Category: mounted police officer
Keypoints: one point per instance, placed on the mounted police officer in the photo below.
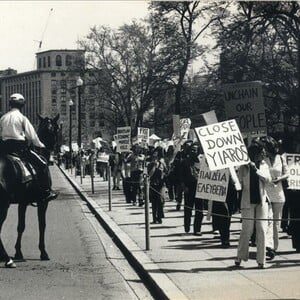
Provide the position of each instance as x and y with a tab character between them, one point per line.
16	130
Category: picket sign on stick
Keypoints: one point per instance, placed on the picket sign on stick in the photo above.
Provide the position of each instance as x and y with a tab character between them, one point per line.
123	139
211	118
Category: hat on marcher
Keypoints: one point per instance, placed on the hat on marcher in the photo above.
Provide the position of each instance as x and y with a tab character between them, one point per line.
17	99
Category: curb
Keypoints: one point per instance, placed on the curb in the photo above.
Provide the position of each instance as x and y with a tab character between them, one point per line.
159	284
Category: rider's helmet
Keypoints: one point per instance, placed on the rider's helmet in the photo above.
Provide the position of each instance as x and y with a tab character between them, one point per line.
17	99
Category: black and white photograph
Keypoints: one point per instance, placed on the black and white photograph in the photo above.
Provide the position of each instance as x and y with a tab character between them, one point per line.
149	150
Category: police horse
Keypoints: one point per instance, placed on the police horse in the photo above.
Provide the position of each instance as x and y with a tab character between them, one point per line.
17	186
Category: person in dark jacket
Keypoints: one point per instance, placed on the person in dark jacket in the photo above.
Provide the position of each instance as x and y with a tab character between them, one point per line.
189	176
222	212
157	171
176	172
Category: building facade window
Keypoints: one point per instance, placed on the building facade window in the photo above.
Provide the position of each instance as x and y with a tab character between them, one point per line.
68	60
58	61
49	61
44	62
40	63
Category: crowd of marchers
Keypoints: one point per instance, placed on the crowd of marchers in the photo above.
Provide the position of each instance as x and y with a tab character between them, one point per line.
264	203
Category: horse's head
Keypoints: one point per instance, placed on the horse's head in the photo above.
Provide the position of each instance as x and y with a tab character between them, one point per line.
48	130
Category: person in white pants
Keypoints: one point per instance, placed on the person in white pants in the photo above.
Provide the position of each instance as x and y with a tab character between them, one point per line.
254	204
279	172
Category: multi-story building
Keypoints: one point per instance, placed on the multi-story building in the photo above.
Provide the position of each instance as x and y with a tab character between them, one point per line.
49	89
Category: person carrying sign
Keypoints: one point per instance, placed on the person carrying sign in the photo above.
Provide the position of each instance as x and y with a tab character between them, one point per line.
254	204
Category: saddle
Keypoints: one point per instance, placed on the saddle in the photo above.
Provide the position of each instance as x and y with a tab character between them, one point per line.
24	170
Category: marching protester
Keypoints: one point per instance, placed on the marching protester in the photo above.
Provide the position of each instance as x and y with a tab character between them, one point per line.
115	164
222	212
137	163
293	196
189	168
157	171
125	175
172	181
279	173
254	204
101	163
179	157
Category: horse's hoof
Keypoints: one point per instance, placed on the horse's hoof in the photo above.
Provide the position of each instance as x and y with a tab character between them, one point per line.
45	257
10	264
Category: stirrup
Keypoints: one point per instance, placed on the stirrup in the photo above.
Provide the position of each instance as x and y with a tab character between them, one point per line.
10	264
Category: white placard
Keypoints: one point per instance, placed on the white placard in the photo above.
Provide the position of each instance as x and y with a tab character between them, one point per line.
244	102
212	185
223	145
123	139
293	163
143	136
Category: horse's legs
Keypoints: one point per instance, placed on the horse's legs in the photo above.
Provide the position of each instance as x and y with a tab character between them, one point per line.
3	214
21	228
42	209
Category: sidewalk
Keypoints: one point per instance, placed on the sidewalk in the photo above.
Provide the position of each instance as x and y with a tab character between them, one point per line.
184	266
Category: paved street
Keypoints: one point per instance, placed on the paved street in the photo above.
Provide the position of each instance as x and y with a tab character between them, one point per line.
195	265
84	264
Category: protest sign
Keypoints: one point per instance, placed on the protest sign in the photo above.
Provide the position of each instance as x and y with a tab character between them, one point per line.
210	117
124	136
293	162
143	136
212	185
185	125
223	145
244	102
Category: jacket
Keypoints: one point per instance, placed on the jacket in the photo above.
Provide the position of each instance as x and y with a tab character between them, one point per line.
264	175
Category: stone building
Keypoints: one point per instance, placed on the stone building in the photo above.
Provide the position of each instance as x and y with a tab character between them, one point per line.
49	89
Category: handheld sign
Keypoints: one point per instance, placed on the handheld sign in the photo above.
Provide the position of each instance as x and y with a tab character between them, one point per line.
185	125
212	185
293	162
223	145
143	136
124	135
244	102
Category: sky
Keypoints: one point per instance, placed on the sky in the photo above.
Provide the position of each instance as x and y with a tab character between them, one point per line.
58	23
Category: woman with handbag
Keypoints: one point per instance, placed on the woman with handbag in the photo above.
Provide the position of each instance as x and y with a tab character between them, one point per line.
275	192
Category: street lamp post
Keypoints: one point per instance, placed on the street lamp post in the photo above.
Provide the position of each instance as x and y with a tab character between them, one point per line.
71	103
79	84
